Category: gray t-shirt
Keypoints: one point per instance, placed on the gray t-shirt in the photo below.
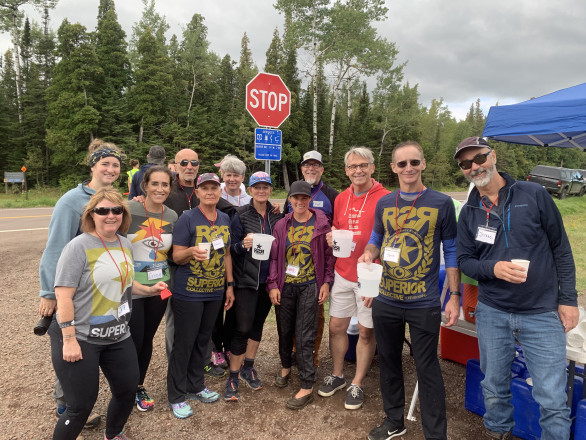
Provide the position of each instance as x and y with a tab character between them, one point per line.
102	308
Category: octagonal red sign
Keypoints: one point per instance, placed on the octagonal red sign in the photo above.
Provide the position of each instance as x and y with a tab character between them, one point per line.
268	100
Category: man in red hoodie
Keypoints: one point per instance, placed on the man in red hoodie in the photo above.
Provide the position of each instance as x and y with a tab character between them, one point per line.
353	210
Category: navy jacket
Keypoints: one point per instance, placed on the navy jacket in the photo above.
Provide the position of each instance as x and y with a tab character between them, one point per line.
530	227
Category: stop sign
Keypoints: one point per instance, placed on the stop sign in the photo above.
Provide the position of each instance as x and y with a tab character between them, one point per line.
268	100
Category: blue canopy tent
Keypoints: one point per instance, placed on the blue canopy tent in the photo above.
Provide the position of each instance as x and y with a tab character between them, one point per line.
554	120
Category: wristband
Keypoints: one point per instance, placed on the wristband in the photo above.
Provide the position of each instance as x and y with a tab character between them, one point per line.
455	292
66	324
68	336
230	284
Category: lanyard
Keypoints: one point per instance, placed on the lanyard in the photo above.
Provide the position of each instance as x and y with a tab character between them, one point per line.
398	230
488	209
211	222
317	192
151	229
292	229
115	264
185	192
361	208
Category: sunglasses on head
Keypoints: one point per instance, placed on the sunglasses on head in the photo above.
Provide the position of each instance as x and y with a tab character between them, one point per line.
479	159
116	210
193	163
412	162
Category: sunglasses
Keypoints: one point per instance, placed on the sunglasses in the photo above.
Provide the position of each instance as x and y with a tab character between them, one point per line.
193	163
479	159
412	162
116	210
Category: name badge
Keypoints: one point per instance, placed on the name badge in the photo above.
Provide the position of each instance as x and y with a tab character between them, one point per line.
486	234
123	309
318	204
353	246
218	243
292	270
154	274
392	254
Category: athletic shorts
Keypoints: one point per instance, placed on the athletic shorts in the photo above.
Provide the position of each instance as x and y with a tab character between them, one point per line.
345	302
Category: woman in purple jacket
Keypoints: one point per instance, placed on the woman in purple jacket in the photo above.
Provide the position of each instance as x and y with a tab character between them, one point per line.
301	273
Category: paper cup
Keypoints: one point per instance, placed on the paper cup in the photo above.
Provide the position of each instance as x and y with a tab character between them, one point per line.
524	263
207	247
369	276
577	336
261	246
342	243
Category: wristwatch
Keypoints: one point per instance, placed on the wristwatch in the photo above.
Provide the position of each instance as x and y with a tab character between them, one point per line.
66	324
455	292
230	284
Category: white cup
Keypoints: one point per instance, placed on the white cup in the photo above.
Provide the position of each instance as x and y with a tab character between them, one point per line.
342	243
261	246
369	276
524	263
206	247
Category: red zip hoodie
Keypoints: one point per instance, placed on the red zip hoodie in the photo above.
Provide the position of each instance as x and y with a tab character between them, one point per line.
356	214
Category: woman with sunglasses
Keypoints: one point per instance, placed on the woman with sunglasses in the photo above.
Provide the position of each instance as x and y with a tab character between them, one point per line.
94	282
104	160
201	249
252	303
301	273
150	235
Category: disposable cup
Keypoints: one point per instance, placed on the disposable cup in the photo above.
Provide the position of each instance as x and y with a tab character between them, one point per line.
342	243
207	247
524	263
369	276
261	246
577	336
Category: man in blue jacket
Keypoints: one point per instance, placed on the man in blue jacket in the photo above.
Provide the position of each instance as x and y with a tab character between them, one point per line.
502	220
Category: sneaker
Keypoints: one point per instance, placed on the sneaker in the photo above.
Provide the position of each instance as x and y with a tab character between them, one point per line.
385	432
250	376
212	371
143	400
120	436
206	396
93	420
354	398
331	385
219	360
231	393
60	410
181	410
500	435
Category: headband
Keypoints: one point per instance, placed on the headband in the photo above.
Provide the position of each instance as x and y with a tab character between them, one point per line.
100	154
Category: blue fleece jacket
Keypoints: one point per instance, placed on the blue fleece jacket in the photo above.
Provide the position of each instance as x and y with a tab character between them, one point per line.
528	226
63	228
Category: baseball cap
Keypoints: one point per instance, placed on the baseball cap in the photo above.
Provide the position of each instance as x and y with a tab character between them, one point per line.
471	142
208	177
156	155
312	155
300	187
258	177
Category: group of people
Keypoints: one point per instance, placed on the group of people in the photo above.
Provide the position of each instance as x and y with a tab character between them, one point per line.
184	250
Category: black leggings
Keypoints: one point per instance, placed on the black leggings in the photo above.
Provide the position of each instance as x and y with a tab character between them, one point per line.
223	328
80	381
147	314
251	308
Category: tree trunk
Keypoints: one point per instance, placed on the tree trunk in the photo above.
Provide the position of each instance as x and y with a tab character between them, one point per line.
341	75
349	100
285	176
314	77
191	97
141	130
17	70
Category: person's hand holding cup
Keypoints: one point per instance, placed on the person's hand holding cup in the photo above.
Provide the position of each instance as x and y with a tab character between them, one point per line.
201	251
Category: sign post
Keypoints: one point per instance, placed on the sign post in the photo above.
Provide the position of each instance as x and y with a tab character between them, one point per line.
268	100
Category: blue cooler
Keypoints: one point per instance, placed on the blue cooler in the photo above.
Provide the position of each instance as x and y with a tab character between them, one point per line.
474	399
353	333
580	422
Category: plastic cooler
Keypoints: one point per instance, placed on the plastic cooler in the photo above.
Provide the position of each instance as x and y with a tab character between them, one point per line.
580	421
350	355
474	400
457	347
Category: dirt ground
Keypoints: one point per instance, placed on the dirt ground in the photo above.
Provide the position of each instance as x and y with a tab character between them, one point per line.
27	408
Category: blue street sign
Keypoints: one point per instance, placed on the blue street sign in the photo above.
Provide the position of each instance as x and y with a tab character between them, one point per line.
267	144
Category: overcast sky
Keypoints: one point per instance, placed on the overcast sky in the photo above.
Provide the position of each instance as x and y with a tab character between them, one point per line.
502	51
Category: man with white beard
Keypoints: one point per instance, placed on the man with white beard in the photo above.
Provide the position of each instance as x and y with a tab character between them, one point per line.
504	220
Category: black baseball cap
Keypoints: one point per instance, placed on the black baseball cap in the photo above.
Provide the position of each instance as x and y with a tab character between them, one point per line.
300	187
471	142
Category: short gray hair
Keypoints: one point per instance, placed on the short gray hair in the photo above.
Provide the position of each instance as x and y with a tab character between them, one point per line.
231	164
361	152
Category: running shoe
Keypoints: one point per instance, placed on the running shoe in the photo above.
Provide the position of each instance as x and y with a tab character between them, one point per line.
331	385
354	398
212	371
231	394
250	376
120	436
206	396
181	410
143	401
219	360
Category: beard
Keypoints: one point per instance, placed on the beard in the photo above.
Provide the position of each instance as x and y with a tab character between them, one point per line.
312	180
480	181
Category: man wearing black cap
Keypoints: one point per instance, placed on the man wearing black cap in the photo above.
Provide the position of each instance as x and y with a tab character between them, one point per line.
156	156
504	226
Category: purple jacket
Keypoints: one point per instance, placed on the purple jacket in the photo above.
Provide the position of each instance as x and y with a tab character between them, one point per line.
323	259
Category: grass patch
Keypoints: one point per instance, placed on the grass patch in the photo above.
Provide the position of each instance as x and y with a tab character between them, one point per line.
37	197
573	210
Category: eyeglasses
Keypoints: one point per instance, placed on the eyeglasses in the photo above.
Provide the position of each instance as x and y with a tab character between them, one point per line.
193	163
363	166
312	165
116	210
479	159
412	162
